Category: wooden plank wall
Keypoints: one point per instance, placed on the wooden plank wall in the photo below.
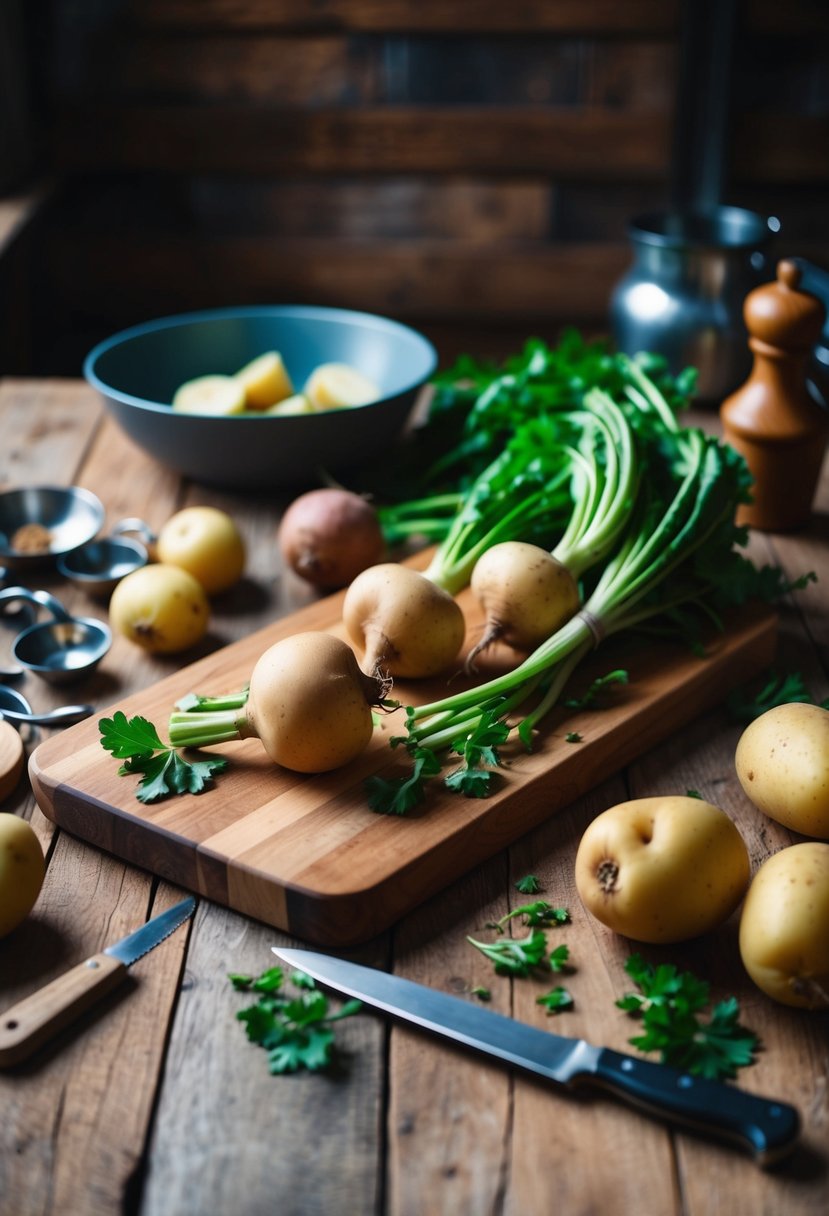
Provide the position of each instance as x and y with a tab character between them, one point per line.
468	166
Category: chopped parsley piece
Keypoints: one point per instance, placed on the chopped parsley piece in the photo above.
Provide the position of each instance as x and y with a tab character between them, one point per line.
669	1003
295	1030
515	956
593	694
528	885
537	913
555	1000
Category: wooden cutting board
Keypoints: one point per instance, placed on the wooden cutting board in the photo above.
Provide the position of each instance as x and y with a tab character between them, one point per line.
305	853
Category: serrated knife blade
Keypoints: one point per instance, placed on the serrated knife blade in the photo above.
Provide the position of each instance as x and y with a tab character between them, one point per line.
765	1127
34	1020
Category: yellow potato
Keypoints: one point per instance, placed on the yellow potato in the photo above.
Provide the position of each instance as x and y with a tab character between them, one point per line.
206	542
334	386
662	869
265	381
21	871
782	763
784	926
161	608
215	395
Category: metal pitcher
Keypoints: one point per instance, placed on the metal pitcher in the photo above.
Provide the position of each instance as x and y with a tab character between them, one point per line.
683	294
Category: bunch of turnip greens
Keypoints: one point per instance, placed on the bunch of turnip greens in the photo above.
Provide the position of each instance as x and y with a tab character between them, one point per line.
478	407
676	558
565	481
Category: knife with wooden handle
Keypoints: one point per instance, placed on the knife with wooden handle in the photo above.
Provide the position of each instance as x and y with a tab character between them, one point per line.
35	1019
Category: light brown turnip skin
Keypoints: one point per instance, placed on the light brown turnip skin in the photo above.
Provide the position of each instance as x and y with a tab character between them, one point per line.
405	624
525	593
329	536
309	703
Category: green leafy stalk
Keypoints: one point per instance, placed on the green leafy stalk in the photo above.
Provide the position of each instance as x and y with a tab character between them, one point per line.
164	771
515	956
523	494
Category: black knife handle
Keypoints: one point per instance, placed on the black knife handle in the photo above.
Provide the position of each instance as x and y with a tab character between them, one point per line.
767	1128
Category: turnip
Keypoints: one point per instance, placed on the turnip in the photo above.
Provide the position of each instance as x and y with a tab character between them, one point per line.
403	622
525	593
329	536
308	703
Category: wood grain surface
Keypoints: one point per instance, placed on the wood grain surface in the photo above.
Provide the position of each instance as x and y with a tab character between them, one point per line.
155	1104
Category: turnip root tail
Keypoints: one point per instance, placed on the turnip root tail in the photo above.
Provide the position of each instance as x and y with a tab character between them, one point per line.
525	593
493	632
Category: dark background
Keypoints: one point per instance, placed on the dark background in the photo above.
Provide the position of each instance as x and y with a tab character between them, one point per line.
468	166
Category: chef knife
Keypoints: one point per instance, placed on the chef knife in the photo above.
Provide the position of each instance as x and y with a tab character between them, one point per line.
27	1025
766	1127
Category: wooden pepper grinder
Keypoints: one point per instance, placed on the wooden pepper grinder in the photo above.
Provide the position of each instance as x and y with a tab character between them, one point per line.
772	420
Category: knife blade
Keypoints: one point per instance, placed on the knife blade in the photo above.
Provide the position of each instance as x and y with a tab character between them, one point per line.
765	1127
32	1021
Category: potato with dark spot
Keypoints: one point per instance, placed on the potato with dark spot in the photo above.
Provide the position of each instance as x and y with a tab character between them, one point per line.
662	869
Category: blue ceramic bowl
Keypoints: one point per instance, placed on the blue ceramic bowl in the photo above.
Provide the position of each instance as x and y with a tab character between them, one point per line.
138	371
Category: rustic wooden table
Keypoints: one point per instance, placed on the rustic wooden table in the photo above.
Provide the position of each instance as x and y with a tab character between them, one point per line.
156	1104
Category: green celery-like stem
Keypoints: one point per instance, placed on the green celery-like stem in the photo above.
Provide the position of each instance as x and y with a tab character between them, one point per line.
574	634
202	729
201	704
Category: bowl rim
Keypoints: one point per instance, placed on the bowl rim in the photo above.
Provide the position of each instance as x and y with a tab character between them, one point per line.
310	311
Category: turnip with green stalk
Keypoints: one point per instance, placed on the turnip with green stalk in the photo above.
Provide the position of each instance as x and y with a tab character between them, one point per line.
308	703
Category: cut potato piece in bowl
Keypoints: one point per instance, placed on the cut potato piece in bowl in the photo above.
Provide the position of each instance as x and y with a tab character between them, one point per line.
296	404
334	386
265	381
214	395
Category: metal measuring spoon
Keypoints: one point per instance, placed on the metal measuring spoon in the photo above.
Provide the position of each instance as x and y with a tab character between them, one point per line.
63	649
16	709
98	566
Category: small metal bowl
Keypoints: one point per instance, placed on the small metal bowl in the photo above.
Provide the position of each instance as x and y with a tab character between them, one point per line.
40	523
63	649
98	566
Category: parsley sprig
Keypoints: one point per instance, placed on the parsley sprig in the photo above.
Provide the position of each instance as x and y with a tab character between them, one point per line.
478	746
515	955
539	912
295	1030
745	705
670	1003
164	770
